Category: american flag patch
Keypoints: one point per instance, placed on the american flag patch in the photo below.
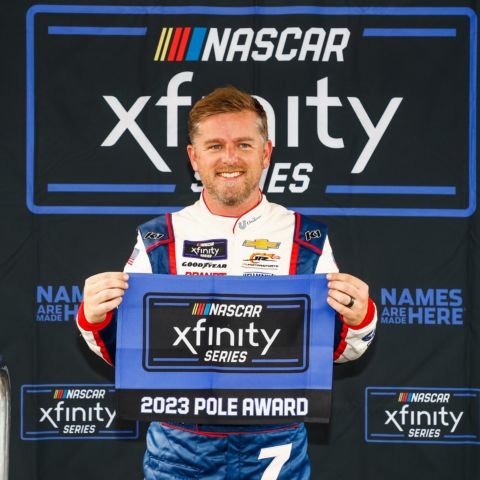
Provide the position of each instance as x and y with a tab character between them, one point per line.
133	256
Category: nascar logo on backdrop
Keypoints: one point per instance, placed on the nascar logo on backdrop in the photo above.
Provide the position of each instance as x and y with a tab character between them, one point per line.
211	43
344	145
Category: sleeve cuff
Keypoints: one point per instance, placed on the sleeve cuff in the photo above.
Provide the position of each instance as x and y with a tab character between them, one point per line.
84	324
370	315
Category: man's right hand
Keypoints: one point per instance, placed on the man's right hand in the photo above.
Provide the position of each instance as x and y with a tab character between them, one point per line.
102	293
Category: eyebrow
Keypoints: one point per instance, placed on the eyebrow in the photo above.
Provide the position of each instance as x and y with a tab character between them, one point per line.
239	139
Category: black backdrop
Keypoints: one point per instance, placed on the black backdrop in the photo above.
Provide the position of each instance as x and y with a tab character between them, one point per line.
412	234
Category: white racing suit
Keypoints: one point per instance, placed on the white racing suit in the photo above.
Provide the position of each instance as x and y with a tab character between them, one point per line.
267	240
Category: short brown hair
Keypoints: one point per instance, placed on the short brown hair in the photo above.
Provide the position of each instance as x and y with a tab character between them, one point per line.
226	100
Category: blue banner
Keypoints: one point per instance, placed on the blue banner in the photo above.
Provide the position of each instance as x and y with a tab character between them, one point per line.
225	349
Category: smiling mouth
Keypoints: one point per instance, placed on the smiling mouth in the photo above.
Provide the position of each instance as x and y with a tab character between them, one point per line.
229	174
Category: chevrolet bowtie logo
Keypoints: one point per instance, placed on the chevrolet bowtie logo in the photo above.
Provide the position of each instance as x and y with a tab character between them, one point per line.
261	244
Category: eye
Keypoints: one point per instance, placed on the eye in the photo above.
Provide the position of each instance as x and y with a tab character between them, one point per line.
215	147
245	146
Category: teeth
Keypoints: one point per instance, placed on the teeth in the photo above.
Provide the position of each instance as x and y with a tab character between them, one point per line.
230	174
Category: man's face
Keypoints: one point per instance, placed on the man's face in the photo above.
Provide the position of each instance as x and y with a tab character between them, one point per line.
229	154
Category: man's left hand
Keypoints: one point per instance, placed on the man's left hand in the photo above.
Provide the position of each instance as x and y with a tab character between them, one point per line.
348	295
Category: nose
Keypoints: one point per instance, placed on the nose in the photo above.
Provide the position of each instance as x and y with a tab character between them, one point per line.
230	153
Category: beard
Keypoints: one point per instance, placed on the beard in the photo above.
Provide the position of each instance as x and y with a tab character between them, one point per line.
230	195
238	191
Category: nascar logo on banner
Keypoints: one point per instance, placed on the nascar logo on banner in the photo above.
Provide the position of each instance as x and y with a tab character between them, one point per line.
218	356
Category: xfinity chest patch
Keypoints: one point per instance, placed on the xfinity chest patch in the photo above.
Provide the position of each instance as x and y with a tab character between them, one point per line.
207	249
225	350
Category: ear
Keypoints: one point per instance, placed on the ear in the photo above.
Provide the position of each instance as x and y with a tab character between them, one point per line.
267	153
191	156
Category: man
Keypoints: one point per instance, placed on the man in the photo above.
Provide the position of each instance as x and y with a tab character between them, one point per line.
229	149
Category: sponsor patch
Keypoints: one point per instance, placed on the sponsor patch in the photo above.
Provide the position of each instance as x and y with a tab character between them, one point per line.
243	224
204	265
153	236
261	260
369	336
261	244
218	274
257	274
262	257
309	234
215	249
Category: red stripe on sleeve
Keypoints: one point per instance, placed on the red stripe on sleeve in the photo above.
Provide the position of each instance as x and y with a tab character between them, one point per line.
183	44
342	344
171	246
174	46
294	255
92	327
103	348
293	259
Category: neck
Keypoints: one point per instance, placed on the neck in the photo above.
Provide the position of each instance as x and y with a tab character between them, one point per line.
218	208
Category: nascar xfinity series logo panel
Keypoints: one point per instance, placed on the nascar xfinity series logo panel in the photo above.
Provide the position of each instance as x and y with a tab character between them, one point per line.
72	411
342	145
422	415
232	332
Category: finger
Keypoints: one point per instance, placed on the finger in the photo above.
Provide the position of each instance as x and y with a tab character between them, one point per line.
340	297
103	308
105	275
346	288
346	277
105	284
338	307
107	295
349	316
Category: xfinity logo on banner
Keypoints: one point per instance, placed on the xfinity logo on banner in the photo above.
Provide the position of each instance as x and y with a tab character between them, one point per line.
60	412
417	306
345	144
57	303
218	332
321	102
422	415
